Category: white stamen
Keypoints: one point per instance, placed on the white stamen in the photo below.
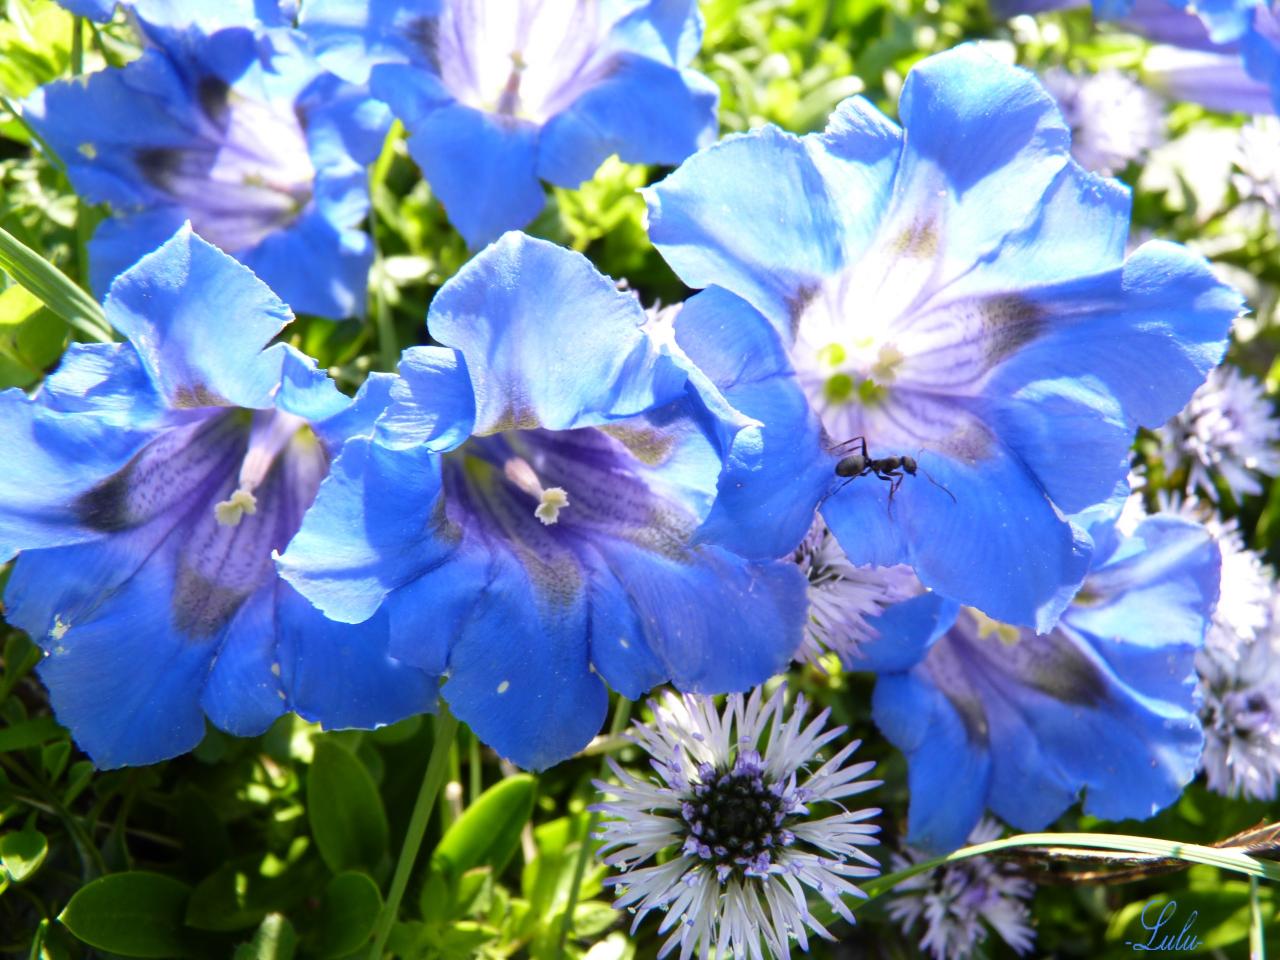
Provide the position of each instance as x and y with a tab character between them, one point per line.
504	686
60	628
553	500
229	512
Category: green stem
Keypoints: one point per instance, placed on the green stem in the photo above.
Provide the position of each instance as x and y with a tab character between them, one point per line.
620	718
446	727
384	323
1235	859
1257	933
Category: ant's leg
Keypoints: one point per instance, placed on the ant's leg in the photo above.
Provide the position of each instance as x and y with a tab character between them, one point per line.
849	442
941	487
829	495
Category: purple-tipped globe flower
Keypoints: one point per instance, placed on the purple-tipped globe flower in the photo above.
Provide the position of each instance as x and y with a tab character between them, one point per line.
556	502
500	94
240	133
956	292
996	717
148	485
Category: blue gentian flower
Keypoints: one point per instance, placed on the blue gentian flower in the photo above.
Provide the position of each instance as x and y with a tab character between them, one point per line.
955	292
996	717
148	485
1223	55
242	134
499	94
556	500
210	14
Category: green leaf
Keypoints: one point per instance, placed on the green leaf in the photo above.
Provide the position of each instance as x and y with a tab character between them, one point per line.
242	892
349	909
53	288
348	821
275	940
136	914
29	733
488	832
22	852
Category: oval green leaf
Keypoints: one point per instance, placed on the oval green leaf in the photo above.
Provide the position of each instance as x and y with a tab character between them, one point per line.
22	852
136	914
347	818
488	832
349	909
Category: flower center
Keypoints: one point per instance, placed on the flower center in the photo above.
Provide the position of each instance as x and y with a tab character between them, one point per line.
735	818
246	174
530	62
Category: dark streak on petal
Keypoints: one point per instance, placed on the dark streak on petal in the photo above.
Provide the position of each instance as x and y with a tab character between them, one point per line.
201	608
198	395
424	33
213	95
106	506
1010	322
798	302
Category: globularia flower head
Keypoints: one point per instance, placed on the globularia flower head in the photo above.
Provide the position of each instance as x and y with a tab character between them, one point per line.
1228	430
1000	718
842	597
240	133
955	292
1114	120
1258	162
956	904
556	499
149	484
1241	715
499	94
1239	669
754	819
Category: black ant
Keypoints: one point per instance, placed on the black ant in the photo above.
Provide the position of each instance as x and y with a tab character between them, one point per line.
892	469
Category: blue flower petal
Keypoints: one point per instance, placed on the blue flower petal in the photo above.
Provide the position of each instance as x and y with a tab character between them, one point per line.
605	367
1164	311
980	180
948	777
768	244
533	697
315	267
715	621
775	471
351	550
124	684
339	675
242	693
55	458
432	401
352	36
645	112
904	633
483	167
120	242
1103	704
960	519
306	391
172	306
106	379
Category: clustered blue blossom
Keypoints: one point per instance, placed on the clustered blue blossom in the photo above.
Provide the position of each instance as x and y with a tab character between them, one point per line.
499	96
241	132
893	425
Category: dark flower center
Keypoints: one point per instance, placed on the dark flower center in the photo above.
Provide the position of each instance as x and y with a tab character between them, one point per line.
735	817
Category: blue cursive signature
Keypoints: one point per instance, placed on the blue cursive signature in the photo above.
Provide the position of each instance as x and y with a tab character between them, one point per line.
1185	939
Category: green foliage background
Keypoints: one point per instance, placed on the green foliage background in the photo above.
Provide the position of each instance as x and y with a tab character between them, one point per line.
283	846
